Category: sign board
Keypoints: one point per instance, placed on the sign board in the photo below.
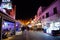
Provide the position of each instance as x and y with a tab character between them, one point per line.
6	5
3	10
5	0
13	12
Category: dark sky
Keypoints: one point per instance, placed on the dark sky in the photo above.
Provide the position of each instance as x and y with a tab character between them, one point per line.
26	9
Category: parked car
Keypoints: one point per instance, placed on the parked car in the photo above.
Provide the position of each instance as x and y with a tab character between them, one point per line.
56	32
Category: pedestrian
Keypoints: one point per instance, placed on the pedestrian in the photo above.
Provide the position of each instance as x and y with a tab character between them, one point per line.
22	28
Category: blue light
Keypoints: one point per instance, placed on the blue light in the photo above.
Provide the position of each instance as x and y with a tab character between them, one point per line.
5	0
6	5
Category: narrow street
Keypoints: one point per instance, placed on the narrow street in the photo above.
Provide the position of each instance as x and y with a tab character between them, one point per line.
34	35
29	19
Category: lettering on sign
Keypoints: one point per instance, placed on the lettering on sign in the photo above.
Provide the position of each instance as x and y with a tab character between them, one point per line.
5	0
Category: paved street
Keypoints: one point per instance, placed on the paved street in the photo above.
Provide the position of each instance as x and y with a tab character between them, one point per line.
34	36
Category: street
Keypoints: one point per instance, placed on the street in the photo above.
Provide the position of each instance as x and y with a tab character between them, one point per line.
30	20
34	35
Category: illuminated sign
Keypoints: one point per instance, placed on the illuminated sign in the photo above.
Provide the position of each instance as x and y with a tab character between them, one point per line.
5	0
7	25
57	24
3	10
13	12
6	5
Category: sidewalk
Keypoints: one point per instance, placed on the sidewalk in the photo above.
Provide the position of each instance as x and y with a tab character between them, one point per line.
9	38
17	33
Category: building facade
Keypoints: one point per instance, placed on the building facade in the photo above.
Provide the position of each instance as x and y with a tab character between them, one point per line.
7	19
50	18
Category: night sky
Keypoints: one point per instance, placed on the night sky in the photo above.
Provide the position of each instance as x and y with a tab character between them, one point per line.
26	9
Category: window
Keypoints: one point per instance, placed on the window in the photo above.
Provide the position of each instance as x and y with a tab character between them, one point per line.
43	17
55	10
47	15
40	18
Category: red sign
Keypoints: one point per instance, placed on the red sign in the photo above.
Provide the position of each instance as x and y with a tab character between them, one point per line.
13	12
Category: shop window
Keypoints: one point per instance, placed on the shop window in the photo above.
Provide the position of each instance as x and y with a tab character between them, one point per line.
55	10
47	15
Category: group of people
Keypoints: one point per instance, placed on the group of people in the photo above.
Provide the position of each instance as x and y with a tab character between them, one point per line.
25	28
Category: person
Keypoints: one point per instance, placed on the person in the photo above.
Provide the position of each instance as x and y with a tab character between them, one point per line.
23	28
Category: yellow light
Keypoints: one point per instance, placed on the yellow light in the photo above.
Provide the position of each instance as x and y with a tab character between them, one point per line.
32	22
27	23
38	24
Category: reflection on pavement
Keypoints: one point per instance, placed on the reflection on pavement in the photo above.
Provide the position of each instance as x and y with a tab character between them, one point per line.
18	32
8	38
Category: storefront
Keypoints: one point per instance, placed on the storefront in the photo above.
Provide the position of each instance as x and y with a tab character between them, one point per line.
7	25
18	26
51	24
7	18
